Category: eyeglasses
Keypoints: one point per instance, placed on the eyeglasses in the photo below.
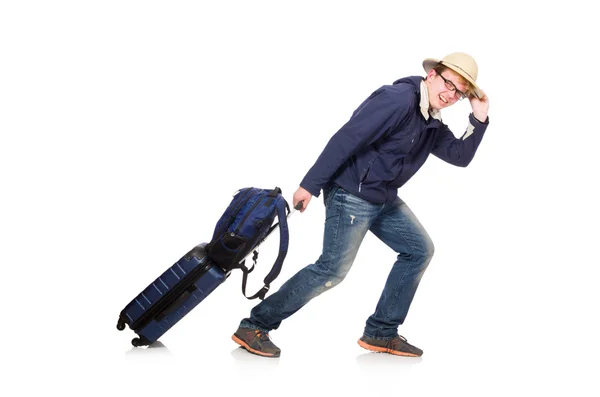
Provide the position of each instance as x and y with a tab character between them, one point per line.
450	85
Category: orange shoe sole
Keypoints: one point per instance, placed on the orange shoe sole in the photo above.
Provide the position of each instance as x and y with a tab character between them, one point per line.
379	349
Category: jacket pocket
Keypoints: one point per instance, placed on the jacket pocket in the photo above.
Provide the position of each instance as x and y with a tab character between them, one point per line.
365	174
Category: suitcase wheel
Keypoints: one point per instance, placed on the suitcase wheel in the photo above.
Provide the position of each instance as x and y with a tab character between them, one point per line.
137	342
121	325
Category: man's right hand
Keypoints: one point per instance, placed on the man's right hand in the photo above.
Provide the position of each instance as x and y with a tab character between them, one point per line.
302	195
480	107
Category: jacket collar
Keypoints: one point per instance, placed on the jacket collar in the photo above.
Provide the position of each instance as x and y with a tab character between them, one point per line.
424	104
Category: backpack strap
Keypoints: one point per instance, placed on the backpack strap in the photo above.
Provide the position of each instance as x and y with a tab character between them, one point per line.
283	248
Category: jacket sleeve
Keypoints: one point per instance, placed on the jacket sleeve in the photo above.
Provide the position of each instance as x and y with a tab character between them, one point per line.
369	122
459	151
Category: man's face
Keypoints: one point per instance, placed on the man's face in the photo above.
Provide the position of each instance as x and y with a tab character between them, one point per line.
441	88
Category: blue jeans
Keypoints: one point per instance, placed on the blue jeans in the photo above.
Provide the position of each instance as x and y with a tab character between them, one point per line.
348	218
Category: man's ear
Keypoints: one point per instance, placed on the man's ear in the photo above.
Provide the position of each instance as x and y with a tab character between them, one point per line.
432	73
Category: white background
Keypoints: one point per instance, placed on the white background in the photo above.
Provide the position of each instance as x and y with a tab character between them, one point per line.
127	125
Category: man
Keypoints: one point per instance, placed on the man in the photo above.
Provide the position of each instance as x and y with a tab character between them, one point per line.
385	142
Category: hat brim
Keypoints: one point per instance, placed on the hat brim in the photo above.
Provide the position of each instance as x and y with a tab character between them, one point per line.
431	63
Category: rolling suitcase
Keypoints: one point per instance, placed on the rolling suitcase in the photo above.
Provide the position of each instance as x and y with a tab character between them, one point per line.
188	282
171	296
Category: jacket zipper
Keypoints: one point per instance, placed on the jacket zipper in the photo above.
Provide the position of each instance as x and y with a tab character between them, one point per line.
364	175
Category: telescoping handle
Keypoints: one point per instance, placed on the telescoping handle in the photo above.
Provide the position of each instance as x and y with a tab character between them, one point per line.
296	208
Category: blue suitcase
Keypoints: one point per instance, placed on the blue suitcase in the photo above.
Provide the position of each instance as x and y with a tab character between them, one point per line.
171	296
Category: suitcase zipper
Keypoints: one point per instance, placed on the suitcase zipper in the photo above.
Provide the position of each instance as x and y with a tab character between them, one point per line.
170	297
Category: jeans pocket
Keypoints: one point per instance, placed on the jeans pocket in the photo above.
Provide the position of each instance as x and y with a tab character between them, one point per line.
328	194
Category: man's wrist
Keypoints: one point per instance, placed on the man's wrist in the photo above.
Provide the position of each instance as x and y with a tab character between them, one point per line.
482	118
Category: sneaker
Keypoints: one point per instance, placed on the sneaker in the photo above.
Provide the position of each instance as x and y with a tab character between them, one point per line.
256	342
398	346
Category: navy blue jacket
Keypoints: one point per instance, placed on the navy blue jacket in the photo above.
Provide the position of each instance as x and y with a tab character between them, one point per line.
385	142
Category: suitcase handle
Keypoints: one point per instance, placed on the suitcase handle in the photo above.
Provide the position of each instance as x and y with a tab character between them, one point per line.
176	304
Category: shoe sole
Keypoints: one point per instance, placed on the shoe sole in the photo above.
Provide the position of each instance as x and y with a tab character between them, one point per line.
379	349
240	342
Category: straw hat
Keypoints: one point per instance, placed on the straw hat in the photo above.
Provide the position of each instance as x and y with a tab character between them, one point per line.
461	63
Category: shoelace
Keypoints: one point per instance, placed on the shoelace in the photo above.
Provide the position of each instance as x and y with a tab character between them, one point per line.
263	336
394	342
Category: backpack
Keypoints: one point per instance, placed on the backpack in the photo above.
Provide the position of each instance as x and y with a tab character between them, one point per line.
246	222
